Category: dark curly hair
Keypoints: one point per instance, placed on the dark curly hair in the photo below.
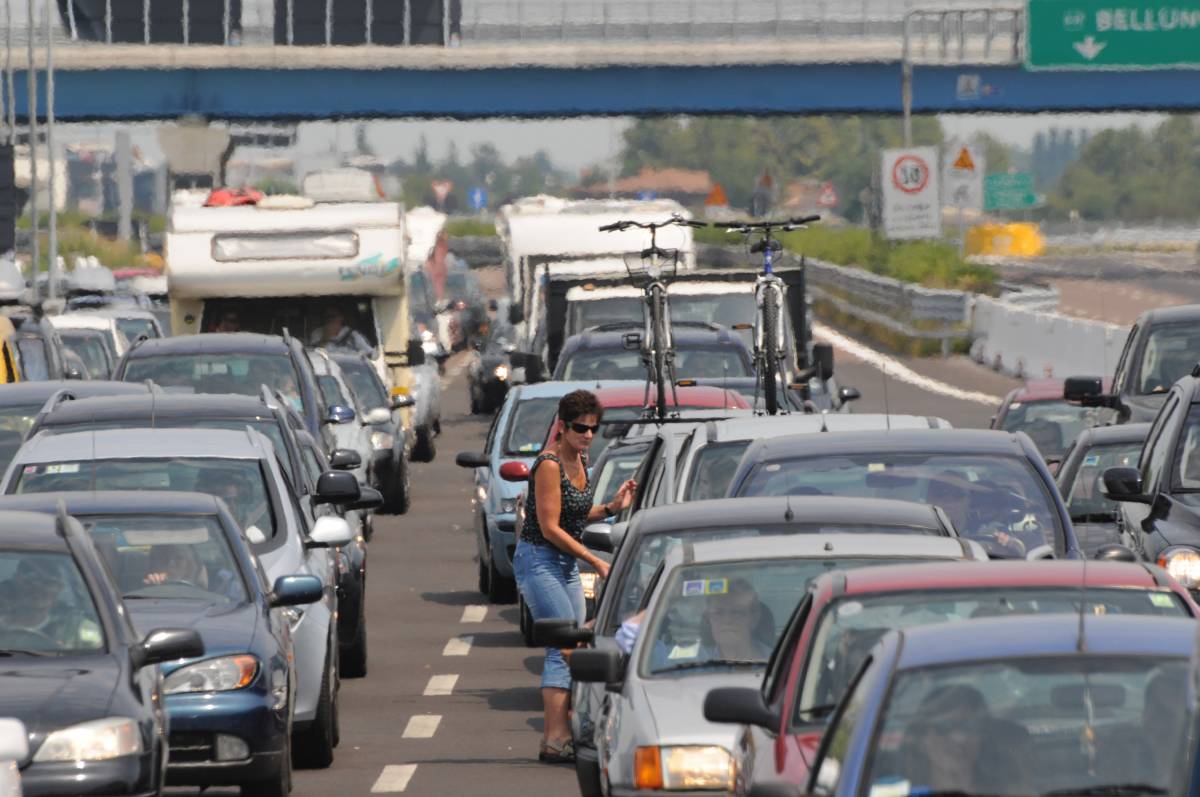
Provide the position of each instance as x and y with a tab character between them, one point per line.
578	403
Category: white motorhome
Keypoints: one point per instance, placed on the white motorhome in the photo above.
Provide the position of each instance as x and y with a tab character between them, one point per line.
284	263
546	235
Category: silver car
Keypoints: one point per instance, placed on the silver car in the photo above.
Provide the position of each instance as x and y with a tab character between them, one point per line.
241	468
712	618
348	422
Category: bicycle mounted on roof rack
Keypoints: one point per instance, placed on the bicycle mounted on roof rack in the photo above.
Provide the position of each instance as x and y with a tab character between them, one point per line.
769	342
656	344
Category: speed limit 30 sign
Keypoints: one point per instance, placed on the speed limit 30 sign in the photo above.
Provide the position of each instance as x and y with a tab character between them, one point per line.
911	193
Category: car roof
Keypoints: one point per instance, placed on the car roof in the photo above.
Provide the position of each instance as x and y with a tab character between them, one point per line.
1000	575
754	427
118	502
38	529
136	443
775	509
556	389
161	405
934	441
212	343
635	395
40	392
1046	635
827	546
1119	433
1170	315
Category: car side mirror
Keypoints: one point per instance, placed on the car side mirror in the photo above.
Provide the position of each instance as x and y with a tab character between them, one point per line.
471	459
514	472
597	667
1115	552
1125	484
1082	388
415	353
337	487
330	531
560	633
167	644
598	537
846	394
515	314
369	498
379	415
345	459
402	400
14	740
339	413
296	590
823	360
740	705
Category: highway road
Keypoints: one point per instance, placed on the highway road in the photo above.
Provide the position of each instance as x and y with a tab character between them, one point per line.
450	706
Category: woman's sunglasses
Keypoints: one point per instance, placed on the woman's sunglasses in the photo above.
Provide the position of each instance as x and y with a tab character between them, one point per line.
583	428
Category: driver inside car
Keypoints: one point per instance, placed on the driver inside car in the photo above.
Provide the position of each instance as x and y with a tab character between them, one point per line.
176	563
973	514
28	601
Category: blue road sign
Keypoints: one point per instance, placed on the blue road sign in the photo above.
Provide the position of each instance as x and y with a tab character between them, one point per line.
478	198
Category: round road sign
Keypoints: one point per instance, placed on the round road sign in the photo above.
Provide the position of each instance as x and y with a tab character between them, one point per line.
910	174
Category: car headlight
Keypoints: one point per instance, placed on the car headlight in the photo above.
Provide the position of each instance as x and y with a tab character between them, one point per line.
691	767
98	740
214	675
508	506
588	580
1183	564
382	440
501	372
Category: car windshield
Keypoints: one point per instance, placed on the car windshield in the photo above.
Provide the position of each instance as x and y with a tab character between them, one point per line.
45	606
133	328
527	429
239	481
713	469
609	310
649	550
331	392
89	348
1046	725
35	365
1085	494
1168	355
690	363
1052	425
1187	470
15	421
850	627
168	557
364	383
618	466
998	500
244	374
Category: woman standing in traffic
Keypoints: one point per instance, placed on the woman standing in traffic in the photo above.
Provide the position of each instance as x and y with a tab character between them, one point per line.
557	509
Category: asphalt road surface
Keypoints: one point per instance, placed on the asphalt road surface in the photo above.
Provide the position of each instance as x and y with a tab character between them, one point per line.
450	706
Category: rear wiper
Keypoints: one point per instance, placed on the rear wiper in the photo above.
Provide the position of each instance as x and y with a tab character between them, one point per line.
1107	790
695	665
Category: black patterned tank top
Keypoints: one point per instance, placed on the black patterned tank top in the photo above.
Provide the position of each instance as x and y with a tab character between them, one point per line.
574	510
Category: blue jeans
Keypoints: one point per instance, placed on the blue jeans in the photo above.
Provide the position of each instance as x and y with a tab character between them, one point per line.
549	582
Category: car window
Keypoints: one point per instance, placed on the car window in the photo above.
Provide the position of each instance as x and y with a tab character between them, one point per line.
850	627
713	468
168	557
690	363
615	470
331	391
1001	726
609	310
243	374
835	748
15	421
1168	354
35	362
1187	465
45	606
490	441
1085	494
365	384
240	482
1124	363
1001	501
527	429
132	328
312	462
1155	454
1052	425
90	349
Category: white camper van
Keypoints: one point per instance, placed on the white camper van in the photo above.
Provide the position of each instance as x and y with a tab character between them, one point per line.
288	262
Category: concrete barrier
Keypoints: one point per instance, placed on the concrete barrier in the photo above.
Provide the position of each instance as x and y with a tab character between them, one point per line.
1027	343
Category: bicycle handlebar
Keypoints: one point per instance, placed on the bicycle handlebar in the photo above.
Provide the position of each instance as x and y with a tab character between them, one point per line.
750	226
652	225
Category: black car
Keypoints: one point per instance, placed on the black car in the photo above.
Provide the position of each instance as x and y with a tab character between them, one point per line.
233	362
180	559
1159	514
1162	346
76	672
489	367
390	441
1080	479
702	351
994	485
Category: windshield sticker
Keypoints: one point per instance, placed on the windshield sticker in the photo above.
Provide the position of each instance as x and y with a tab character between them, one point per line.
1016	405
1162	600
717	586
705	586
876	467
694	587
684	651
892	787
1091	460
66	467
773	468
849	609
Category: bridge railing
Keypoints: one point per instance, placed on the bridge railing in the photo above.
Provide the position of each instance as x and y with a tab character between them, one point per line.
467	22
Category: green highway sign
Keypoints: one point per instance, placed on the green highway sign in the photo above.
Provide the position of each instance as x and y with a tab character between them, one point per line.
1009	191
1122	34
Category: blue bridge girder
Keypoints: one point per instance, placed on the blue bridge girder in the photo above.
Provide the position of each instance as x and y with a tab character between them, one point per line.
231	86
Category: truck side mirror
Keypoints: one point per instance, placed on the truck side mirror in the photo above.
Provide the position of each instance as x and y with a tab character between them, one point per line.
415	353
823	360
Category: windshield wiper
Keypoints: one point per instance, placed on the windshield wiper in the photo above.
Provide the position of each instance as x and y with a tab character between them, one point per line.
695	665
1095	517
6	652
1107	790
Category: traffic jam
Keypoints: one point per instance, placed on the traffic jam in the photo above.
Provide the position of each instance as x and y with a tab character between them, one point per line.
730	580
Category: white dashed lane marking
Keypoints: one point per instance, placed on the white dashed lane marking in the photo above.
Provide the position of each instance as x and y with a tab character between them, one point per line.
422	726
473	614
440	685
459	646
395	777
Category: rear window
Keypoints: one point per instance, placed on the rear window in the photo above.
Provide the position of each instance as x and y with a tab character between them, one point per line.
690	363
243	374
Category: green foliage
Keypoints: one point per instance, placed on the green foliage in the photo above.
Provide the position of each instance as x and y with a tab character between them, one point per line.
461	228
486	168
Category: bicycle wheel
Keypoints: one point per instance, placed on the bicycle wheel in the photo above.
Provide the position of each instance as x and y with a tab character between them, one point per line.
658	318
770	310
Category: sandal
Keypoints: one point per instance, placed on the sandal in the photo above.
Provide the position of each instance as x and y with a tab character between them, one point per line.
561	753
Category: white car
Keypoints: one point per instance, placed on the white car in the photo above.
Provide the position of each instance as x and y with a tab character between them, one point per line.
76	330
14	748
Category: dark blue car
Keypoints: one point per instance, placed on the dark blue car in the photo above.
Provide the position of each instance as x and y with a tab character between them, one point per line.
179	560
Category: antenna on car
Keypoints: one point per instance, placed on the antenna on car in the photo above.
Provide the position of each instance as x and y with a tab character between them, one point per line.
788	514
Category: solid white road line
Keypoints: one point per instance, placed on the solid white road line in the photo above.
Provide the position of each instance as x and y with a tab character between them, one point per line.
474	614
900	372
422	726
458	646
440	685
395	777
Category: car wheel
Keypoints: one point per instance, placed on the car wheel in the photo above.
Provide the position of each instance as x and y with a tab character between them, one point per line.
500	589
354	659
400	496
425	449
277	785
313	747
484	586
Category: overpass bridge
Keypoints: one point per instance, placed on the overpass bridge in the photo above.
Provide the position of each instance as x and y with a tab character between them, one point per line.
817	57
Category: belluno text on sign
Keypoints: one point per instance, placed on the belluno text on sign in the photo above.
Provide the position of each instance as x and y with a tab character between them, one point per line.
1127	34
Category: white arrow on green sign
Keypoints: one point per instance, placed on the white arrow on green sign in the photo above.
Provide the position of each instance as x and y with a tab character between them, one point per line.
1123	34
1005	191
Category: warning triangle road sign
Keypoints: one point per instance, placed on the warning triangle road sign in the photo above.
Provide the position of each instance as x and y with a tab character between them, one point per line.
964	161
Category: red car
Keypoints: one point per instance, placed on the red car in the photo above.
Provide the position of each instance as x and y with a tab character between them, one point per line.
1039	410
845	613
